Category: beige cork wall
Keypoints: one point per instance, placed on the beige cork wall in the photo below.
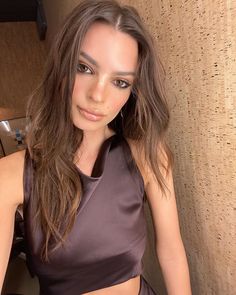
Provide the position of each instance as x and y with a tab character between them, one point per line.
196	41
197	44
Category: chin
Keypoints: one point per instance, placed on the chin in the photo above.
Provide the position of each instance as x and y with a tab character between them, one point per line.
88	126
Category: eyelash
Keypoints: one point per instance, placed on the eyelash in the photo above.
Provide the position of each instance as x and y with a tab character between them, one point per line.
83	71
85	68
126	84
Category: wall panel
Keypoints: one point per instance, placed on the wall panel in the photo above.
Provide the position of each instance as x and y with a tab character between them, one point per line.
22	56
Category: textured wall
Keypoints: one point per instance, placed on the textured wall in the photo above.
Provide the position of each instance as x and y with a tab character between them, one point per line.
22	56
196	42
55	11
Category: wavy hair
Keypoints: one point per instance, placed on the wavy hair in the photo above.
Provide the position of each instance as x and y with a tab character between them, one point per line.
52	139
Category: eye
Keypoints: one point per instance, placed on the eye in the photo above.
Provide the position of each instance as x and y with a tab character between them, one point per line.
122	84
82	68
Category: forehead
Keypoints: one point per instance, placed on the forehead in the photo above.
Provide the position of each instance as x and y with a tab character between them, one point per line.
110	47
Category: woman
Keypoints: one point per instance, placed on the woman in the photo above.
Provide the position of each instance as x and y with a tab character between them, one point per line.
95	144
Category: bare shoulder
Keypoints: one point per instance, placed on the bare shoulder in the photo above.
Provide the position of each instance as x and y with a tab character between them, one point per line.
11	178
138	155
163	207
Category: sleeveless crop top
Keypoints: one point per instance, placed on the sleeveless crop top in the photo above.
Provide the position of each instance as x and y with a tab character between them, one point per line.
108	239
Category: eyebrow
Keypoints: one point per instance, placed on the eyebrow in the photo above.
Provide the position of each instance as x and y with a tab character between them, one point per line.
94	62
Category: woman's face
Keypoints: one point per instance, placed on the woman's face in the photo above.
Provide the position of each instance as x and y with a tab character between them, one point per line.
105	74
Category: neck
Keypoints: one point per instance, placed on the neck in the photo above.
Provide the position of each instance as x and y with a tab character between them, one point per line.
92	141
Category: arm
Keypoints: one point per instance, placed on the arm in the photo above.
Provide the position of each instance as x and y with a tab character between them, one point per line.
11	195
169	245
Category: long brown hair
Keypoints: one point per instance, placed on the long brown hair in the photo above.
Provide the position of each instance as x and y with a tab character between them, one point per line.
52	138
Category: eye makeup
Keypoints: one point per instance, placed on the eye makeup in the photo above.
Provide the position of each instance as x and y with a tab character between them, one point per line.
83	68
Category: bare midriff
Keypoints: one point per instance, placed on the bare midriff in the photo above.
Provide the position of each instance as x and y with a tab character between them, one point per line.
131	287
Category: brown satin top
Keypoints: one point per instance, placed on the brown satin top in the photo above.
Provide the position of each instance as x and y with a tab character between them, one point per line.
107	242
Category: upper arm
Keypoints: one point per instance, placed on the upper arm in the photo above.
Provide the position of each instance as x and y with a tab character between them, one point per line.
163	206
11	195
165	216
11	179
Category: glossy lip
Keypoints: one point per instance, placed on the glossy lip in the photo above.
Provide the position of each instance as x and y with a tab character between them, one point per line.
90	115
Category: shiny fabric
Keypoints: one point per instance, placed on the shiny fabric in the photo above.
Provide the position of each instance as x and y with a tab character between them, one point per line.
145	288
108	239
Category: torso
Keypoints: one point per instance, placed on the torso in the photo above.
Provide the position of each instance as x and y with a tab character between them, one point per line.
130	286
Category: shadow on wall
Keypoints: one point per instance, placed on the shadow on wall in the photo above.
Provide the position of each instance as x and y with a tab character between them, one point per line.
18	280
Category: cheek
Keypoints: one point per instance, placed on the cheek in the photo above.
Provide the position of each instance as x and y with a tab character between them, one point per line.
76	89
118	103
80	87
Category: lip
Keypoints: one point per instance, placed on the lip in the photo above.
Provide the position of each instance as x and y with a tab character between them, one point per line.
90	115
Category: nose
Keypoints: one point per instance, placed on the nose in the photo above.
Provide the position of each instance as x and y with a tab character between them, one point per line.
97	90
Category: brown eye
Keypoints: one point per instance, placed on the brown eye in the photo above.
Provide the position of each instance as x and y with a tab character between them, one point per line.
122	84
82	68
